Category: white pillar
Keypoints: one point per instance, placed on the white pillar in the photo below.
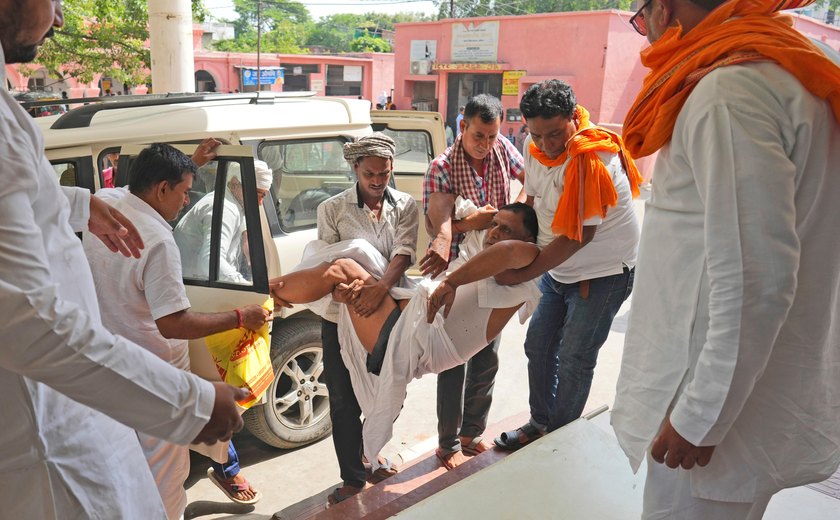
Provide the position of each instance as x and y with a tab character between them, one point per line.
171	39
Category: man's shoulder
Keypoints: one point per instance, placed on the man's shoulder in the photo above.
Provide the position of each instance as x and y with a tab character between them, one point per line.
443	161
752	86
401	196
343	197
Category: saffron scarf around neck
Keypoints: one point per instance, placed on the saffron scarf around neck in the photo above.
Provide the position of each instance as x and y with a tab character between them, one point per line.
737	31
588	188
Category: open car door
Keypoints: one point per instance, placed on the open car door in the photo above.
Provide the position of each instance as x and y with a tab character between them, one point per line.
219	235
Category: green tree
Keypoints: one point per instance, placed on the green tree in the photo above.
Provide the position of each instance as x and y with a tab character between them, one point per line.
337	32
368	43
284	27
102	37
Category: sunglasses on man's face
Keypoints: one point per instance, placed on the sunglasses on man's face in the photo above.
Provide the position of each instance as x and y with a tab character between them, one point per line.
638	20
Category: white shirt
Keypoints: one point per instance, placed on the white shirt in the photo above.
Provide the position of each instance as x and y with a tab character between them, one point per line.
62	459
133	293
616	237
737	295
192	235
342	217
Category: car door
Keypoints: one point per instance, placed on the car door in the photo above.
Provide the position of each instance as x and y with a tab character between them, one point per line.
419	137
73	166
219	235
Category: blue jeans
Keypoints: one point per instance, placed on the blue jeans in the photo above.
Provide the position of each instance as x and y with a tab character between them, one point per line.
231	467
562	343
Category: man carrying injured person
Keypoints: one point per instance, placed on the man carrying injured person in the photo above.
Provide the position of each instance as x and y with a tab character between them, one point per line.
406	337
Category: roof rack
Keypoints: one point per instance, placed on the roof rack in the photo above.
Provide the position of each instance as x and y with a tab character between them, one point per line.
81	117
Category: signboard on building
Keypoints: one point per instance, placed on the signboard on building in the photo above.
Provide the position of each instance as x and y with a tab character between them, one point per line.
423	50
475	42
352	73
316	85
468	67
268	76
510	82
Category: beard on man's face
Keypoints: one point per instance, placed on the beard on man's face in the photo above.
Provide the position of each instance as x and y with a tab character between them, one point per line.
25	53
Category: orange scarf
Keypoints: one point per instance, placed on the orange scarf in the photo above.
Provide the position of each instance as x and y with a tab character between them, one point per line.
752	31
586	176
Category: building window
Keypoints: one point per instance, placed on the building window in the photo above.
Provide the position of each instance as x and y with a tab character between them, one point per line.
344	80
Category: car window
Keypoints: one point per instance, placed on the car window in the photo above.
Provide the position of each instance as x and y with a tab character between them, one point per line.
66	172
414	151
306	173
215	206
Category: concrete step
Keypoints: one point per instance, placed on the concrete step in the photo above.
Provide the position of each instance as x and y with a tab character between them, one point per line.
418	479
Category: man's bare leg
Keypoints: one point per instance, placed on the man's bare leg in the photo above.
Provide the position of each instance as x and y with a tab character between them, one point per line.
316	282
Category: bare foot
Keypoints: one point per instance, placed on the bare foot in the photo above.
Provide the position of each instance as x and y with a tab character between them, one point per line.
451	459
239	481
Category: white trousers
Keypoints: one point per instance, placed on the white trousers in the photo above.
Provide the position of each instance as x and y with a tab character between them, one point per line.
668	496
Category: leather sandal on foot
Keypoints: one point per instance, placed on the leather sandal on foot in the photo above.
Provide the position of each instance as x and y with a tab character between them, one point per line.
510	440
445	458
386	469
340	496
475	447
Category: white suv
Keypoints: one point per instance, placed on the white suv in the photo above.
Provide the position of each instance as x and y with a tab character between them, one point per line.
301	138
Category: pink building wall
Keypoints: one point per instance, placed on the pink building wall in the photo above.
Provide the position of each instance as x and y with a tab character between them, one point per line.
596	52
581	48
377	70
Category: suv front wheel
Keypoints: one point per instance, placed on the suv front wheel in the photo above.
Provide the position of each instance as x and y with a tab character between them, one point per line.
297	409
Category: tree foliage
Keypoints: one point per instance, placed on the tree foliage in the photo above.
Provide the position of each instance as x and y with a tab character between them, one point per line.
102	37
368	43
475	8
283	25
337	32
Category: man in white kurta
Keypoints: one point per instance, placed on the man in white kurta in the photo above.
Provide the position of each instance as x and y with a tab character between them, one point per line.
144	298
62	459
133	293
732	346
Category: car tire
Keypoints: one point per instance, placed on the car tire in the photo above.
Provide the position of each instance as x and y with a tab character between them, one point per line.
296	411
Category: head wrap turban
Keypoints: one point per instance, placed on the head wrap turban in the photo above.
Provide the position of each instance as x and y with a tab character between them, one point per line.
264	175
376	145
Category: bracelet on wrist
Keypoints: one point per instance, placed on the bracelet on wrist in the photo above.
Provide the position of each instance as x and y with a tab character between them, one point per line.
239	320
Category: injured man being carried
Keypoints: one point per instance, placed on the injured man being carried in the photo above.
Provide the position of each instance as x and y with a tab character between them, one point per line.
407	337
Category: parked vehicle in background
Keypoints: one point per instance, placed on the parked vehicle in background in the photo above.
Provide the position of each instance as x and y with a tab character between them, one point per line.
301	137
34	101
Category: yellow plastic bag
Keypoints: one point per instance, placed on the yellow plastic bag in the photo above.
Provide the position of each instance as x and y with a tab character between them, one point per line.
243	359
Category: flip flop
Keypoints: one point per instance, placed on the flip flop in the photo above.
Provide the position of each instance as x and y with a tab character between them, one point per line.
337	496
444	458
230	489
472	447
510	440
386	469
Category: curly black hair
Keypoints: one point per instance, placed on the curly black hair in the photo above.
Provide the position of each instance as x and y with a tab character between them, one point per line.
548	99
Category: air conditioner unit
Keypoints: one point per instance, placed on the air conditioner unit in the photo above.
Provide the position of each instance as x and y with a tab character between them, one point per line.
420	67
